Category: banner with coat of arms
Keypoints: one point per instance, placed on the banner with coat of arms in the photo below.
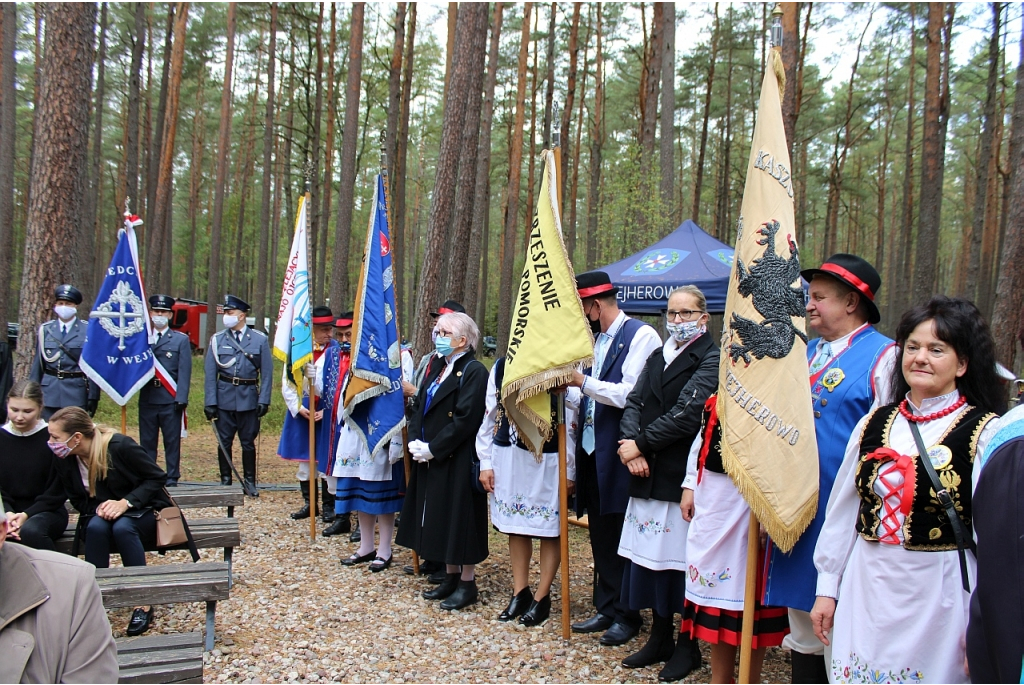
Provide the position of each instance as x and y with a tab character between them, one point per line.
116	354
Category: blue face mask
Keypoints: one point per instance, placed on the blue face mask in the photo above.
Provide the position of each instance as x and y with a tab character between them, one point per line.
443	345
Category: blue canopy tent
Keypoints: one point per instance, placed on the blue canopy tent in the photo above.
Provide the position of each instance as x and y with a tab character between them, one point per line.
687	256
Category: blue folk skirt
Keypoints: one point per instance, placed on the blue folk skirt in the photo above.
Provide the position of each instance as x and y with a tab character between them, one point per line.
372	496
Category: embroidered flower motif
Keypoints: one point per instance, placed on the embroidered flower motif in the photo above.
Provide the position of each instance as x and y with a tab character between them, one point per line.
858	671
649	526
712	579
519	507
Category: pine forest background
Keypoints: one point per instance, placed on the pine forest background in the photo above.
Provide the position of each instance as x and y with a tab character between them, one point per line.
905	121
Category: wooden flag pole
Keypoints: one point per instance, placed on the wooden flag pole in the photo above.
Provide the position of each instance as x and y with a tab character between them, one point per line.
563	515
749	598
124	419
314	475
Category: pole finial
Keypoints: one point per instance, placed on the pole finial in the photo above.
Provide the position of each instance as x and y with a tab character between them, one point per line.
776	32
556	133
307	173
127	204
383	151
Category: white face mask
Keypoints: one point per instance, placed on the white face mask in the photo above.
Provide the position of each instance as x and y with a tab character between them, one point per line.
65	312
160	322
230	320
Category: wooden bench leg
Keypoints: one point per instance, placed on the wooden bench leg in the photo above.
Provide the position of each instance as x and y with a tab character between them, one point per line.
231	512
211	612
228	553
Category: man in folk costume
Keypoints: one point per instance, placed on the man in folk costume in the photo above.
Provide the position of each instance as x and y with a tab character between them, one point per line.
332	368
294	443
58	350
163	400
620	352
239	372
850	366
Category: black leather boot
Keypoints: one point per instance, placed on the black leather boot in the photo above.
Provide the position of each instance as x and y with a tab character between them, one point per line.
445	589
465	595
539	611
224	464
249	472
659	647
342	524
303	513
685	659
327	504
809	668
517	606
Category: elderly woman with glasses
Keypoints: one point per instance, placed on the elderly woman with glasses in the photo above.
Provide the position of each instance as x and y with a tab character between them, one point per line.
444	517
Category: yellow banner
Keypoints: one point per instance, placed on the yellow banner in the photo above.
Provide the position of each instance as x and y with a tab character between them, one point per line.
549	337
764	397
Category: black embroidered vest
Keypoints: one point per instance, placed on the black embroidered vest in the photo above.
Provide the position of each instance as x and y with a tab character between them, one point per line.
711	447
503	431
926	528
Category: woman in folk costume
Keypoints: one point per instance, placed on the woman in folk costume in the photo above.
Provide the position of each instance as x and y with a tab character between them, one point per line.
524	497
294	442
716	553
445	516
890	552
373	486
331	369
660	422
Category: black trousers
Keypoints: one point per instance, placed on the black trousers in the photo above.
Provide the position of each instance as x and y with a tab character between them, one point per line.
244	424
605	531
166	419
42	529
127	535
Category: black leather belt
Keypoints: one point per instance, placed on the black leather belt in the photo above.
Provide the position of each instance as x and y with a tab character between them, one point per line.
61	375
237	381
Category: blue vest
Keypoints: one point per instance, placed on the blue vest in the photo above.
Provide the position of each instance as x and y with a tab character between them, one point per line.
842	395
612	475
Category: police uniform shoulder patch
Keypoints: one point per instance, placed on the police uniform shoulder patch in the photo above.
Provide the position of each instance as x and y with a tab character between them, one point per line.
832	379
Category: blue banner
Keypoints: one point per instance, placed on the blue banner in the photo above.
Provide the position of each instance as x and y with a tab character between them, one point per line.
116	354
374	404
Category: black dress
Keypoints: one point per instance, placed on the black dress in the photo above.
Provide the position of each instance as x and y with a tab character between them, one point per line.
444	517
29	484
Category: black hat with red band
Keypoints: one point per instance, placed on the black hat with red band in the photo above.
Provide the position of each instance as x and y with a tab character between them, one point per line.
854	272
345	320
595	284
322	316
449	307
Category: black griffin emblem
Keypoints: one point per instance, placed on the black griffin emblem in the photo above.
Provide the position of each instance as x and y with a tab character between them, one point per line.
768	283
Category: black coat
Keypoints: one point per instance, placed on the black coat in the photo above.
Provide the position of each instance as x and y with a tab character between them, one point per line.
663	416
444	518
131	475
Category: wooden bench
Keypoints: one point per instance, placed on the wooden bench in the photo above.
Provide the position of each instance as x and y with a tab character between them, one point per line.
167	584
196	496
176	658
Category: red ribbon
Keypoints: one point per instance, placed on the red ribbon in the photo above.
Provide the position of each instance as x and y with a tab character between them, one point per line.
850	278
711	407
906	466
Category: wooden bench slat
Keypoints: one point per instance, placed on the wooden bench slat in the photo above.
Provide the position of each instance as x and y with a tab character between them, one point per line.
164	584
175	658
209	533
160	657
195	496
152	643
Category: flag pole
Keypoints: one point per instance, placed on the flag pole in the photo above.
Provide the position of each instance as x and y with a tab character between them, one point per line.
124	407
406	460
754	532
314	476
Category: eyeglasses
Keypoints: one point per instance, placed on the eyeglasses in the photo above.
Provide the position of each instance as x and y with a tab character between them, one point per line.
683	314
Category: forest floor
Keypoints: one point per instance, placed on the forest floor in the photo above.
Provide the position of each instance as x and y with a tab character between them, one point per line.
297	615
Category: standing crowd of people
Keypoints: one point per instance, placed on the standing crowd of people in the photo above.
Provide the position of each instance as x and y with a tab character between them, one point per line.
879	588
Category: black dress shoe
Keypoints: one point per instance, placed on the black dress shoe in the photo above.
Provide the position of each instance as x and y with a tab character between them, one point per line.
328	517
685	659
339	527
539	611
517	606
302	513
140	621
618	634
379	564
445	589
464	596
595	624
356	559
426	568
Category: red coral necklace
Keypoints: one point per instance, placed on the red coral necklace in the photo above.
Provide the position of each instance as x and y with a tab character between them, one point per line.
924	418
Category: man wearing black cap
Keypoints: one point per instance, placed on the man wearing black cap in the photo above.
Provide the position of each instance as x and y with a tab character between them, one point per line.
449	307
162	401
850	365
239	372
622	346
58	349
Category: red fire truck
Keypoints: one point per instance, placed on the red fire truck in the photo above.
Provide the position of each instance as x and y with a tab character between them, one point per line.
190	318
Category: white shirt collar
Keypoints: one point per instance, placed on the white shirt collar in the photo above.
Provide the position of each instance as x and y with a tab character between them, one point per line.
933	404
616	325
840	344
9	427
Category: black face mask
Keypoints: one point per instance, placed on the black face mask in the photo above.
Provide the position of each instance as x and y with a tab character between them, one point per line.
595	325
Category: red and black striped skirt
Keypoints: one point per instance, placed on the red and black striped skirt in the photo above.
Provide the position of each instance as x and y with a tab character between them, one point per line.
714	625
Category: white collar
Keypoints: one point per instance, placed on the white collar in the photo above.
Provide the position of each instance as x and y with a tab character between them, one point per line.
933	404
616	325
9	427
840	344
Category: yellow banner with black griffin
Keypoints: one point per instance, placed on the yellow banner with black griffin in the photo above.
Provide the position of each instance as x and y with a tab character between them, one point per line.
764	402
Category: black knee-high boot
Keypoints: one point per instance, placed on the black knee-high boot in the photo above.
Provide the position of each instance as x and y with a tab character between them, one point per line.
303	513
659	645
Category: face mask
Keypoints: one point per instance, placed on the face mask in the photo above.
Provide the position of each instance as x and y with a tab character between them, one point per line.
686	331
65	312
595	325
443	345
61	449
230	320
160	321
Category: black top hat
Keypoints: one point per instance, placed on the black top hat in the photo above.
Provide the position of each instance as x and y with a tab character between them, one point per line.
232	302
67	292
449	307
345	320
855	272
322	316
161	302
594	284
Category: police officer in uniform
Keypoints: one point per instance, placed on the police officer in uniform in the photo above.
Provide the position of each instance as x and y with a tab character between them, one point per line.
159	410
58	349
239	376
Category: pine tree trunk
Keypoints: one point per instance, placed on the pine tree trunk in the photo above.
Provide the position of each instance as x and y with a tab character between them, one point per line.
481	186
515	165
90	227
346	186
532	135
567	113
316	260
8	109
260	298
596	144
668	111
466	197
223	148
699	182
549	78
790	57
646	219
195	178
155	270
56	181
332	114
569	229
134	100
395	98
398	178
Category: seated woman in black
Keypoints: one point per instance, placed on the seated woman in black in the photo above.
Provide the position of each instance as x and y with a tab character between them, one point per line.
115	487
32	493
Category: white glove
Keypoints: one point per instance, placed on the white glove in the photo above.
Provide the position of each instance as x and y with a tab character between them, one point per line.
310	371
420	451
